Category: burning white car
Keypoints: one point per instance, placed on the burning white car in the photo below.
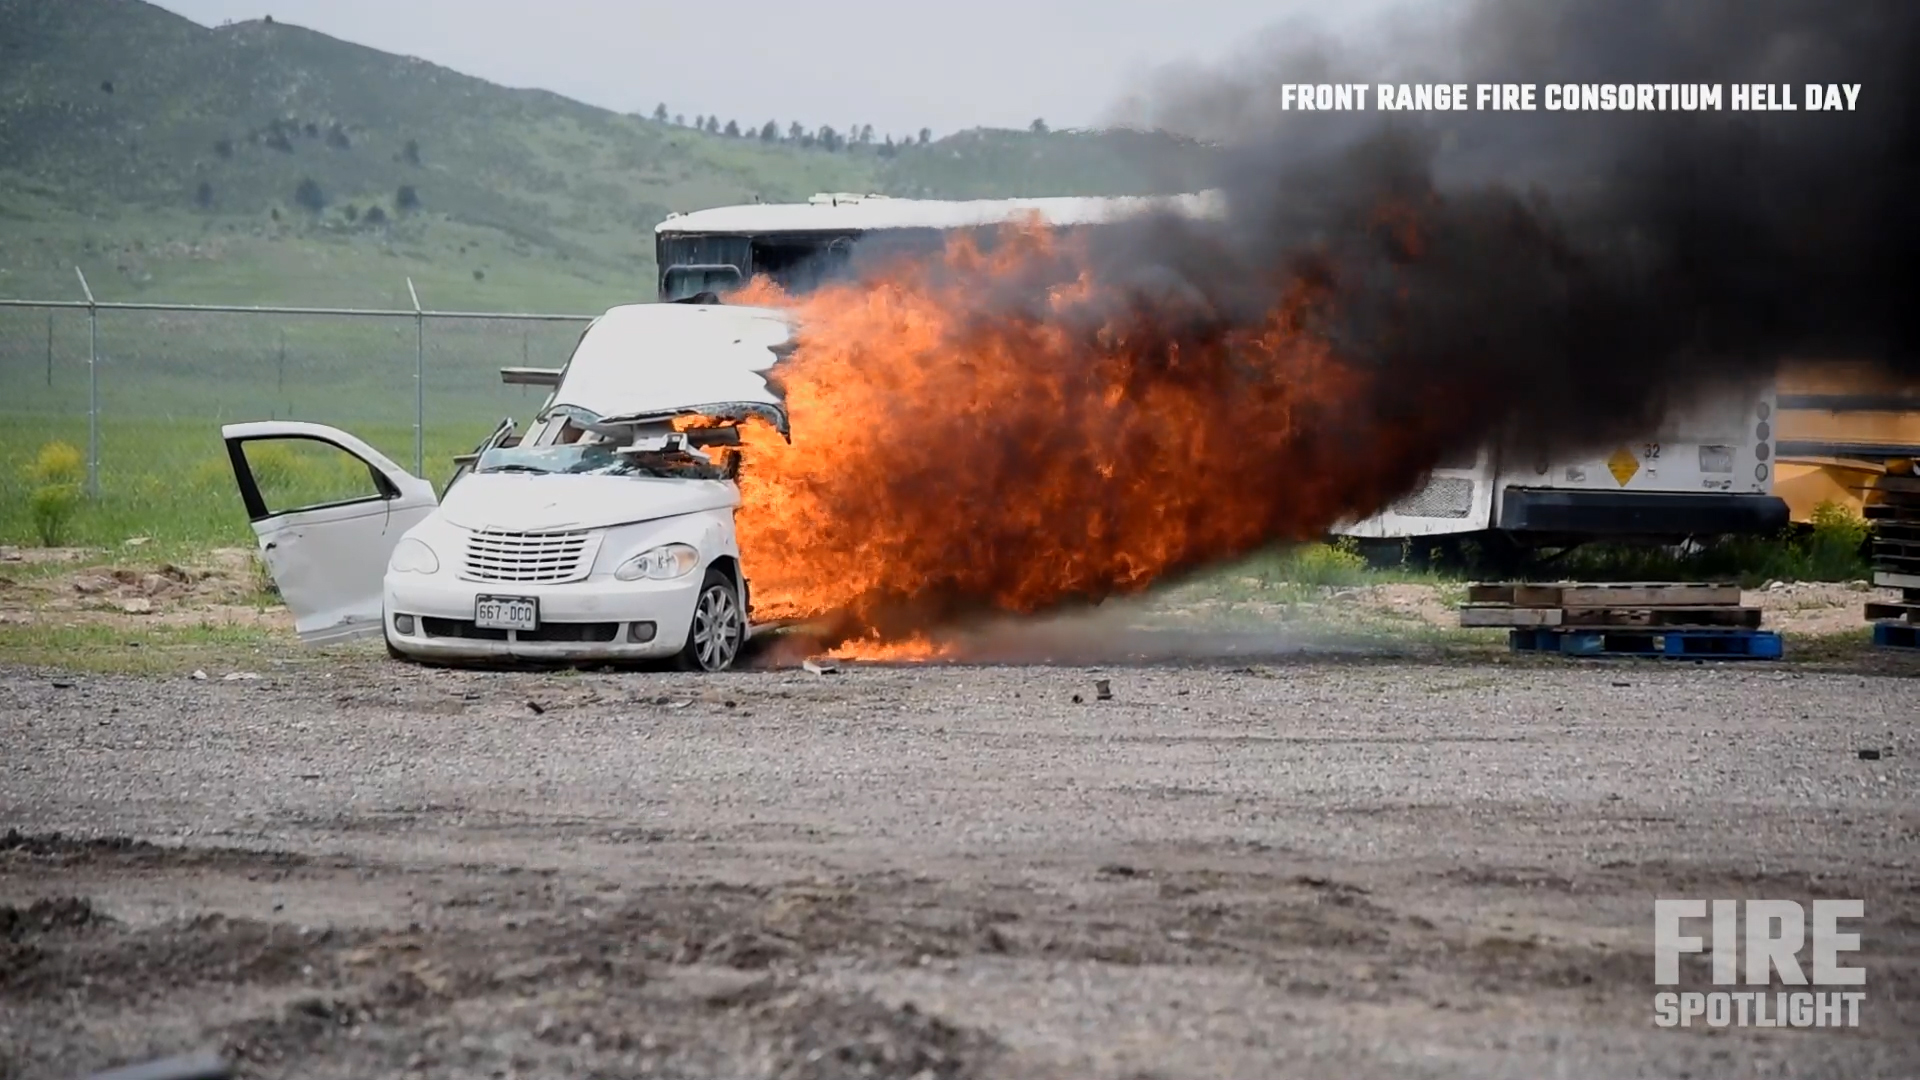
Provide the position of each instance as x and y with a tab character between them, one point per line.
604	534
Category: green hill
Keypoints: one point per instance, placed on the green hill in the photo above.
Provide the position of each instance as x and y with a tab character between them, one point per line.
262	162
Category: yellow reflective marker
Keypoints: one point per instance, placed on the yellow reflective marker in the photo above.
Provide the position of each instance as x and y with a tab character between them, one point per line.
1622	464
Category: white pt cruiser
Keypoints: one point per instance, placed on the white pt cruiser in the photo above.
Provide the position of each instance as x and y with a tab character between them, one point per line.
602	535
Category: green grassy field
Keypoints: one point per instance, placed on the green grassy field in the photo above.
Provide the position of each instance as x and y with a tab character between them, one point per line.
265	163
169	481
168	381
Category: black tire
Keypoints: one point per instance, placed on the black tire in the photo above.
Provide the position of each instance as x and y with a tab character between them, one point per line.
718	629
393	653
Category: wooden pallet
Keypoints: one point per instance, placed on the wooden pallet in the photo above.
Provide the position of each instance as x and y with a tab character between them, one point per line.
1620	618
1892	486
1908	612
1904	529
1617	597
1658	644
1895	565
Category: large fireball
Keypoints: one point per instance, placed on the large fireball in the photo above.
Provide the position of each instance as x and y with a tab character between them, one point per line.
996	432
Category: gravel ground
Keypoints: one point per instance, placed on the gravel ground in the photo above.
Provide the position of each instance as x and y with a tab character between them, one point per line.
1298	866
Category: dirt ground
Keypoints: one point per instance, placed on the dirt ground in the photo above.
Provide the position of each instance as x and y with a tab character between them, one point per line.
223	588
1295	862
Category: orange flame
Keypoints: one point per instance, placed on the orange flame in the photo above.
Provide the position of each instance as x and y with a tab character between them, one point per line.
949	459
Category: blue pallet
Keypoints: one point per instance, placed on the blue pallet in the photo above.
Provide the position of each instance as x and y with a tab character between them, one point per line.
1731	644
1896	635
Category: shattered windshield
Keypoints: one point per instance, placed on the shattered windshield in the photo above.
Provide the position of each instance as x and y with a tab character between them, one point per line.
598	459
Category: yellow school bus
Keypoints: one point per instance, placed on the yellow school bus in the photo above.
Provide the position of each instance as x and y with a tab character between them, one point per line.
1840	426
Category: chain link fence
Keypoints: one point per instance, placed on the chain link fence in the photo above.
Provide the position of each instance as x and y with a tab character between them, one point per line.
133	384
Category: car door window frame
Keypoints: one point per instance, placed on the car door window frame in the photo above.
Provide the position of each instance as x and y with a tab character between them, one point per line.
256	504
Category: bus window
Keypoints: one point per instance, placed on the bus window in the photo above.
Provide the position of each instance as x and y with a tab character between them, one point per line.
801	263
694	264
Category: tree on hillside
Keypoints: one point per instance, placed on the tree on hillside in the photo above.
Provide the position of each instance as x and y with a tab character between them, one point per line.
406	199
926	136
680	119
277	139
224	148
796	133
660	112
351	213
733	129
375	216
700	122
203	195
106	86
886	148
411	153
309	197
713	125
770	133
337	138
829	139
1038	127
866	134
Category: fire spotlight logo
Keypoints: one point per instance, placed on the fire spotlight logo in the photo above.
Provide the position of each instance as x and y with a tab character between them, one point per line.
1776	932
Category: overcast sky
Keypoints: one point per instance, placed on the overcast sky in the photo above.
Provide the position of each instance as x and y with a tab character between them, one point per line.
896	64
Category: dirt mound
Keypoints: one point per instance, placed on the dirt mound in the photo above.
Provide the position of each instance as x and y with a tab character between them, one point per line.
55	844
61	849
821	1037
226	576
220	586
48	915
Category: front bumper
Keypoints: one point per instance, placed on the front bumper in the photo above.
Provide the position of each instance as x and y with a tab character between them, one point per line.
581	620
1638	513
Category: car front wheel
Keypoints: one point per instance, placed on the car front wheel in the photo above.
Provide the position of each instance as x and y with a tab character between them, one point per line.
719	628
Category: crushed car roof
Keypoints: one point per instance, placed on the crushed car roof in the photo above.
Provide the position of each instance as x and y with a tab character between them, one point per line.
650	360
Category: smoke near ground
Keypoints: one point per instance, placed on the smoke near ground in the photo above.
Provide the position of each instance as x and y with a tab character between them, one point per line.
1006	430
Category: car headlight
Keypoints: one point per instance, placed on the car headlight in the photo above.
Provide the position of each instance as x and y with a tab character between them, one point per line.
661	564
412	556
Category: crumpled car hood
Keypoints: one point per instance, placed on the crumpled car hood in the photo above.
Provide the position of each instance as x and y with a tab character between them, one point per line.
523	502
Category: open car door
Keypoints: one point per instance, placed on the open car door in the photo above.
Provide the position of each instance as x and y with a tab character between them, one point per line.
328	510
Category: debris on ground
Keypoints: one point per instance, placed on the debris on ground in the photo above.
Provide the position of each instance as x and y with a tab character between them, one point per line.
1226	887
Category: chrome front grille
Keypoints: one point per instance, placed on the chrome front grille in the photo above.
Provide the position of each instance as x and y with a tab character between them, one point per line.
526	556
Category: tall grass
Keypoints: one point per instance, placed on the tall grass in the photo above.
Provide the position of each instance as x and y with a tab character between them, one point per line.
169	480
53	481
1830	548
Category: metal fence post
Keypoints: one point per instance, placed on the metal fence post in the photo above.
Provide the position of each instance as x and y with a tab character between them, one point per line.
419	383
49	348
93	387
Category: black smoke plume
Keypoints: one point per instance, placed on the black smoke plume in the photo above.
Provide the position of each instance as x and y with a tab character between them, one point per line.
1564	278
1155	396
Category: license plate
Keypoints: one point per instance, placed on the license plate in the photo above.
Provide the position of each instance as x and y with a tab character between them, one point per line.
506	613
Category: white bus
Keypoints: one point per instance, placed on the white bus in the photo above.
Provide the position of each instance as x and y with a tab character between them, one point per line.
1708	472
